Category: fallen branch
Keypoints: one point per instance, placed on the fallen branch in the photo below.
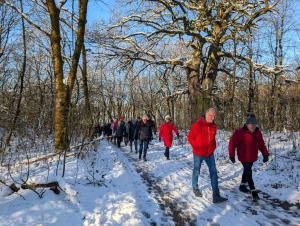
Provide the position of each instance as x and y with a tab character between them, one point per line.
53	186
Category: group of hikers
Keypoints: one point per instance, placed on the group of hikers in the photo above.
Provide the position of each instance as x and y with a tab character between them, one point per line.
245	142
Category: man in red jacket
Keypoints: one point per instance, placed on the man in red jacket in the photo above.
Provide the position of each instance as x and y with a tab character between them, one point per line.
247	141
202	138
166	132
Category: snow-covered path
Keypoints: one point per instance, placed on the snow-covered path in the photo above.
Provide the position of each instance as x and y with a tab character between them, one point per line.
113	187
169	182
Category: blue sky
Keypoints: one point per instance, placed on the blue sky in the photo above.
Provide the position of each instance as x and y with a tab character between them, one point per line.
99	10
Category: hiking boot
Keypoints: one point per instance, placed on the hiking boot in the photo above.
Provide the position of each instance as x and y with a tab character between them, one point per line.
217	198
243	188
197	192
255	196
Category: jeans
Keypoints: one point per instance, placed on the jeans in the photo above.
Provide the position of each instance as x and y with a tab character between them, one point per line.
136	142
210	161
119	140
130	144
167	152
143	148
247	175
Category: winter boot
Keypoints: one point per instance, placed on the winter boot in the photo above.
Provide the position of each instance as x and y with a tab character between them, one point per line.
217	198
255	196
197	192
243	188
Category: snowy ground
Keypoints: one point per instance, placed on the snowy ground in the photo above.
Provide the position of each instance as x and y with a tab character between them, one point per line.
110	186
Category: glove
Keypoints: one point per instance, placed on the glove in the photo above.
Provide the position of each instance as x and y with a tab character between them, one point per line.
266	158
159	139
232	159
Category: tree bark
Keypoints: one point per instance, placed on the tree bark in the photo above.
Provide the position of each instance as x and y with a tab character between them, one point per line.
63	92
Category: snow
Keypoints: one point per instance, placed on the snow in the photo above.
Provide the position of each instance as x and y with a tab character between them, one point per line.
110	186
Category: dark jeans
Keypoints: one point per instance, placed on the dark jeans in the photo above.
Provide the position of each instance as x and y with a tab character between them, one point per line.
114	140
247	175
143	148
136	142
130	144
119	140
210	162
167	152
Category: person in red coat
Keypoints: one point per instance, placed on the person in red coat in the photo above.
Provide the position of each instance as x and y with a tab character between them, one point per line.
202	139
246	142
166	132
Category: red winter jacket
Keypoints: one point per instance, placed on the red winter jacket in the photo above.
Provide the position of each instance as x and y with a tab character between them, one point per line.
202	137
165	132
247	145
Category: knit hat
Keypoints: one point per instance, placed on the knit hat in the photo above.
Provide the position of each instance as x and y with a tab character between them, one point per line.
251	119
167	117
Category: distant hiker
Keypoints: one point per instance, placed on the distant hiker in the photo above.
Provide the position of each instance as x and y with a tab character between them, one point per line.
202	138
114	130
145	134
136	126
152	124
130	133
98	130
107	131
166	133
247	141
121	131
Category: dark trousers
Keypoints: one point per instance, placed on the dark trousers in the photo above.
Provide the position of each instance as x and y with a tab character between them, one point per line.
114	139
247	175
143	148
119	140
136	142
167	152
130	144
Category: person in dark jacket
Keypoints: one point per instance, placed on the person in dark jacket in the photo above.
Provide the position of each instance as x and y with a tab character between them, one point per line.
145	134
247	141
121	131
114	126
136	128
202	138
107	131
98	130
130	133
152	124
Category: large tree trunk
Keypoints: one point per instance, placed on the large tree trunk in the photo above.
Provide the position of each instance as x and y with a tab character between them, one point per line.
200	87
61	108
63	92
194	86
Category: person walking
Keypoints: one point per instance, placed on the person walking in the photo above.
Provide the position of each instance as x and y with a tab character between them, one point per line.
145	134
121	131
202	139
166	133
130	133
114	126
246	141
136	126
